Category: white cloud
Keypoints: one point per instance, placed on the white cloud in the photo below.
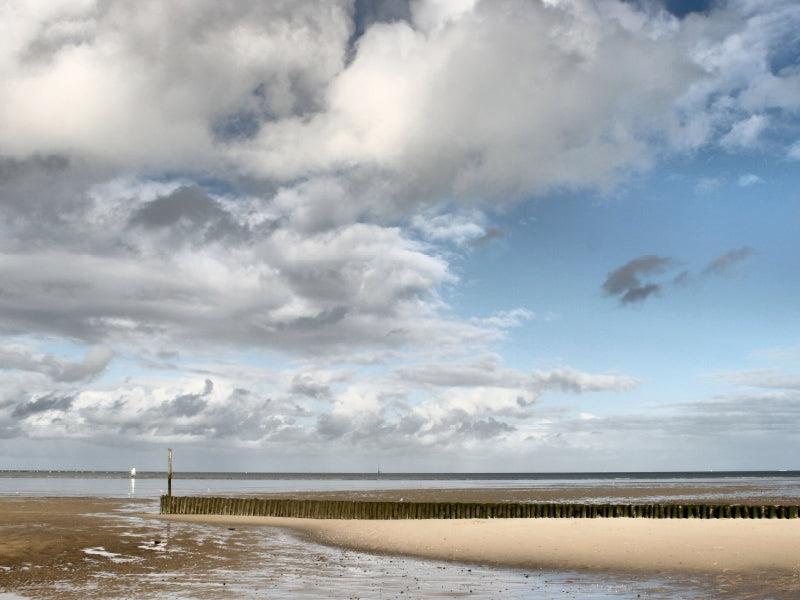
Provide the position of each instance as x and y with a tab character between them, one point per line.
749	179
149	85
458	228
433	15
766	378
21	358
505	319
707	185
570	380
794	151
472	98
745	133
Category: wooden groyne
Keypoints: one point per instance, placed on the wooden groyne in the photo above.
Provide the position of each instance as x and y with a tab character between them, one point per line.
357	509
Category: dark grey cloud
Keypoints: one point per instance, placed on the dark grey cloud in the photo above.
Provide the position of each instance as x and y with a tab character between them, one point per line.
12	167
307	386
241	124
626	281
188	208
726	263
681	278
484	429
333	426
188	405
41	197
633	282
640	293
186	203
43	404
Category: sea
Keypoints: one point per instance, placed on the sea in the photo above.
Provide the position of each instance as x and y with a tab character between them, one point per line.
281	561
739	486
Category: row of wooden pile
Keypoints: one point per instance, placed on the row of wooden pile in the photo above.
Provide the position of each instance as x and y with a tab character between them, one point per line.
357	509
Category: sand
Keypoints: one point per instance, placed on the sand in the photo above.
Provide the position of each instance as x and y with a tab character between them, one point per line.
43	540
651	545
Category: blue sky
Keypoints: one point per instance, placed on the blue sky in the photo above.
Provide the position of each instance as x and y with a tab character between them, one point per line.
509	235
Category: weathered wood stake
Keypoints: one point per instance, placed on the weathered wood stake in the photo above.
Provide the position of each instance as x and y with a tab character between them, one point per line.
169	472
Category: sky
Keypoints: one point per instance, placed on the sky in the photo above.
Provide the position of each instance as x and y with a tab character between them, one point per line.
414	235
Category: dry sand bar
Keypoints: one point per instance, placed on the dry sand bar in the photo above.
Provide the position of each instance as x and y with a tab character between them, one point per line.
374	510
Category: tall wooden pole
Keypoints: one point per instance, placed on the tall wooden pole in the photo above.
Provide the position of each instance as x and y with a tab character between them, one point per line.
169	472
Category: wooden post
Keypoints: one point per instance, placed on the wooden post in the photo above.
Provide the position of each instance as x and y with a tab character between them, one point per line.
169	472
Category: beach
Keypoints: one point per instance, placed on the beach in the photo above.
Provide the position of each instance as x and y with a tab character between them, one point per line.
105	548
761	555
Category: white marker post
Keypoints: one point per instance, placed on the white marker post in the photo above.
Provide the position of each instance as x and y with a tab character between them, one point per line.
169	472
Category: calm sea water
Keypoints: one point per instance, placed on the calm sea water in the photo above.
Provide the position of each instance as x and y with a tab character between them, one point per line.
751	486
278	564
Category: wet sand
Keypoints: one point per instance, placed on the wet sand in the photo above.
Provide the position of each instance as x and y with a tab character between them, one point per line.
64	544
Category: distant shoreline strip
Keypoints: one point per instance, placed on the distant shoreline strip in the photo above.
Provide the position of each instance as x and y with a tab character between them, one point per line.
374	510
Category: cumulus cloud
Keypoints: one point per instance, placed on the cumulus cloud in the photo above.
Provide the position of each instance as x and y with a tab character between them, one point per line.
204	75
295	183
278	91
399	103
186	265
411	409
